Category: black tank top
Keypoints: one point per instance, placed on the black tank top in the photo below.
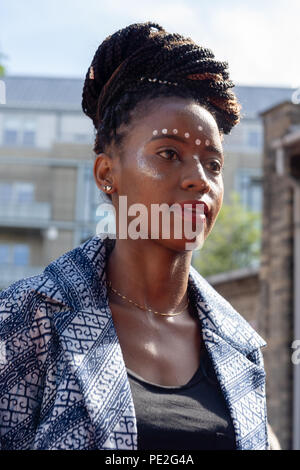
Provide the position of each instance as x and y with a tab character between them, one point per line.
189	417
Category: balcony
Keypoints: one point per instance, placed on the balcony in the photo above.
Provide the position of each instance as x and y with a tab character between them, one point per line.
29	215
10	273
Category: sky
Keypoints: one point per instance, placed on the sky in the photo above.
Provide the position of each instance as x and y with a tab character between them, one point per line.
260	39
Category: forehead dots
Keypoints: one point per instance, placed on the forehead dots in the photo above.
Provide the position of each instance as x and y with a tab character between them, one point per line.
187	136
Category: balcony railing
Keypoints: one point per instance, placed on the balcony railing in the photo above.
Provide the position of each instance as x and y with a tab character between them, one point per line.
10	273
33	214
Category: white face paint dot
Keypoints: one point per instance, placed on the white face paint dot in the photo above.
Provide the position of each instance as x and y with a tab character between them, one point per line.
175	131
197	141
186	135
155	132
164	131
200	128
207	142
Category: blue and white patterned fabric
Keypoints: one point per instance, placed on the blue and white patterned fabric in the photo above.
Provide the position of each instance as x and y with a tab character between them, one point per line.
63	380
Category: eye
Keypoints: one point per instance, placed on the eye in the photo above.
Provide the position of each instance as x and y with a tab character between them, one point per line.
168	152
215	166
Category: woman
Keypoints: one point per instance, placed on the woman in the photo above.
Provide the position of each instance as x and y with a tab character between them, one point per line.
121	344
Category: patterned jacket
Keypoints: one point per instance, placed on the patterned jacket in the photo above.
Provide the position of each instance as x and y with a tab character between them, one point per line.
63	380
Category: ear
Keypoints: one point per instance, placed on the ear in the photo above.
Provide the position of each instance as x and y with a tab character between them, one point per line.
103	173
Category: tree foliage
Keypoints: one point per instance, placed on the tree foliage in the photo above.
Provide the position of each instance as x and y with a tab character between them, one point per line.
2	68
233	243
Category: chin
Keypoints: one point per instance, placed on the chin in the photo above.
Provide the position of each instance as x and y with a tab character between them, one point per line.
182	245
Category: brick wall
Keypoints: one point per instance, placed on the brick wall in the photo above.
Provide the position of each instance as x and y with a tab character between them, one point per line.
241	289
275	318
266	298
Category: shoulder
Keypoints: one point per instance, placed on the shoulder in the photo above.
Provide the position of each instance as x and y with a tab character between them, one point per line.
67	283
26	311
27	295
28	351
27	347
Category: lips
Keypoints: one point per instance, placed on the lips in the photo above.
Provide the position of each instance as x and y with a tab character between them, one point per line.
194	205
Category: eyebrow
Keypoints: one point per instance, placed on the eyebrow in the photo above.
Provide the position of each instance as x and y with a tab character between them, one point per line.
169	136
214	149
210	148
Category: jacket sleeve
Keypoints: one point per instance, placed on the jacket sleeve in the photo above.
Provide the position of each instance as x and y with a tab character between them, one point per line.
273	443
25	334
256	356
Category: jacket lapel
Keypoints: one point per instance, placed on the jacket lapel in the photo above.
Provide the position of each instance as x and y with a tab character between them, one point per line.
90	344
233	347
92	350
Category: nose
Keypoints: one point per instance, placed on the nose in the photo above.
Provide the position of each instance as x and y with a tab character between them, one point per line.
196	179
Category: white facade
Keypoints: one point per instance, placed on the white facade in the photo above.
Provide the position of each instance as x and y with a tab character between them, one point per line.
41	129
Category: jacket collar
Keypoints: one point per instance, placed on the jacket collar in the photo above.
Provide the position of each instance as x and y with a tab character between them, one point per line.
76	281
219	317
233	346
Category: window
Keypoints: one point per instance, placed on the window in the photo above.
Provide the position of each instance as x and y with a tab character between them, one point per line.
245	137
249	186
11	131
92	196
4	254
19	131
24	192
16	192
21	255
254	139
6	192
75	128
17	254
29	133
235	139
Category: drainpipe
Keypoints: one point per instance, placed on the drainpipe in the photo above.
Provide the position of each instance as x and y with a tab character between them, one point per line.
296	367
280	164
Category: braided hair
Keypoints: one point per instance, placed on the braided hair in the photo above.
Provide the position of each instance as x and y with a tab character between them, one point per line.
182	68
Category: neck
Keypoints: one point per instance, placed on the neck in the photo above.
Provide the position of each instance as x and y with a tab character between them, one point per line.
149	274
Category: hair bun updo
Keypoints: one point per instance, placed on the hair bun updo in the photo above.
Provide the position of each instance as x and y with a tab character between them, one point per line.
147	50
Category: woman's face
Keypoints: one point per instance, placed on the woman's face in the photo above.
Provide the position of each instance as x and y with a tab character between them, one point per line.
171	154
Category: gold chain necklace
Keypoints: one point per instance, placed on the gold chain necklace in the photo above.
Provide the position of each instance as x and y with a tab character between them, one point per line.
143	308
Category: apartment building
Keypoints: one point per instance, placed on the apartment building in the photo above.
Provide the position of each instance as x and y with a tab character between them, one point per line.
48	199
243	171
